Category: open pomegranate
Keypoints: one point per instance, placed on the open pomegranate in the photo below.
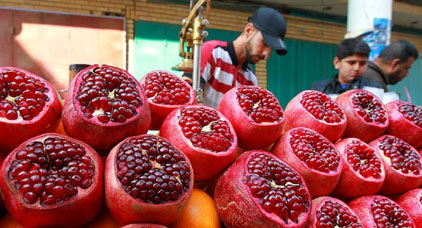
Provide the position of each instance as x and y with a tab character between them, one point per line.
363	172
29	106
52	180
204	135
331	212
165	92
366	115
256	115
411	202
147	180
405	122
380	211
104	105
260	190
317	111
402	164
313	156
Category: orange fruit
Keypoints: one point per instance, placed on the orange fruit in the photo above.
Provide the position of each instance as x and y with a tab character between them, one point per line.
200	212
60	129
103	220
8	222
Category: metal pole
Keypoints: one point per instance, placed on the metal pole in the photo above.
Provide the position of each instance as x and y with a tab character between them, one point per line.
196	72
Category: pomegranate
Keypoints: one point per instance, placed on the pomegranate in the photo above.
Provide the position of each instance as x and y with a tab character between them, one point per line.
411	202
363	172
256	115
145	225
405	122
317	111
260	190
380	211
105	103
313	156
366	115
331	212
165	92
148	180
29	106
204	135
52	180
402	164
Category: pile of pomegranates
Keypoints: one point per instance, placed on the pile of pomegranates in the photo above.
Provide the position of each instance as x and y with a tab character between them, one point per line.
134	150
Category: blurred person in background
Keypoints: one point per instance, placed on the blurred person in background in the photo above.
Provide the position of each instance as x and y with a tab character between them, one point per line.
392	64
351	61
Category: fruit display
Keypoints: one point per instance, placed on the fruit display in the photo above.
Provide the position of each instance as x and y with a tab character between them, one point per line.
119	152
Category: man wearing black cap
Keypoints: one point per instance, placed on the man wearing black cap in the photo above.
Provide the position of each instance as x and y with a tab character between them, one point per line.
224	65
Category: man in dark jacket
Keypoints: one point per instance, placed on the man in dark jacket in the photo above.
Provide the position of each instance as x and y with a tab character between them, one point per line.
393	63
351	61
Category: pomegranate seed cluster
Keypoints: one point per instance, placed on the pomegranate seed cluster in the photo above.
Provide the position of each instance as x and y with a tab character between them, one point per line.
322	107
388	214
51	171
403	157
278	188
333	214
369	108
363	160
108	95
165	88
411	112
205	129
314	150
152	170
259	104
21	96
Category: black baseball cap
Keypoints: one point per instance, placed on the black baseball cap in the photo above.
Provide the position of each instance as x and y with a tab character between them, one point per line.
273	27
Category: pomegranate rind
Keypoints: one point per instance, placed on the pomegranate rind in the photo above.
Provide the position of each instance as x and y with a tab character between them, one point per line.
250	134
352	184
71	213
126	209
356	125
236	205
317	203
91	130
319	183
395	181
160	111
411	203
206	164
297	116
14	132
146	225
361	206
401	127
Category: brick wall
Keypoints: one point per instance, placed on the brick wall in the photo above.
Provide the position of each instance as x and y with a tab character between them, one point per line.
297	27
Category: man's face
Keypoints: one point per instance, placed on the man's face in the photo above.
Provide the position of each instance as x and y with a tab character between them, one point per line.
400	72
256	49
350	67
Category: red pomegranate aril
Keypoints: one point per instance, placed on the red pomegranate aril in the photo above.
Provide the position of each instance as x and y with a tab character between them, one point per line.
317	111
363	171
405	122
165	92
380	211
255	114
367	116
105	102
274	193
42	187
28	104
313	156
204	135
402	163
147	180
331	212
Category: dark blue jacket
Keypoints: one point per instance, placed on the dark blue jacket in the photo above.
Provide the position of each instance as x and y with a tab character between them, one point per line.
333	86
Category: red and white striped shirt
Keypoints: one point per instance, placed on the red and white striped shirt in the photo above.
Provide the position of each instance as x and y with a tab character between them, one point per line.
221	71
